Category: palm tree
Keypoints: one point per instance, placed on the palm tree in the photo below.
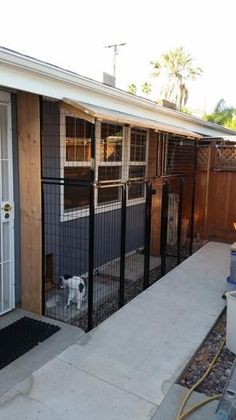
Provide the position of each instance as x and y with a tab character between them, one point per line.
178	69
223	115
146	88
132	88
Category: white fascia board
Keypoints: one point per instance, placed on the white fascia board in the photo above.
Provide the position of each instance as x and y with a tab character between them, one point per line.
27	74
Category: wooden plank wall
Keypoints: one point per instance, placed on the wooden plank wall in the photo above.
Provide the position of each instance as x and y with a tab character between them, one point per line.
28	116
221	206
215	203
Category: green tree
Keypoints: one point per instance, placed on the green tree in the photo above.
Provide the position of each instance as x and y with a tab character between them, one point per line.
132	88
223	115
177	68
146	88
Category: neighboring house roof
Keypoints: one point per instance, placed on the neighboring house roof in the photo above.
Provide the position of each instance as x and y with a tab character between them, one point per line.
226	138
18	71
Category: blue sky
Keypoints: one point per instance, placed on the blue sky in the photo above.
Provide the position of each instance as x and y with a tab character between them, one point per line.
73	34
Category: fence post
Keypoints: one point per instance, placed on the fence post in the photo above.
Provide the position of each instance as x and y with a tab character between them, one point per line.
43	247
164	225
91	230
193	201
179	227
147	233
122	245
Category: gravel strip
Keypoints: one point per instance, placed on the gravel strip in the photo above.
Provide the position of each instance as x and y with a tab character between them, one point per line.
111	303
216	380
107	298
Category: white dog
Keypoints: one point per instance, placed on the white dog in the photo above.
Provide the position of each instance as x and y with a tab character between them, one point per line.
77	289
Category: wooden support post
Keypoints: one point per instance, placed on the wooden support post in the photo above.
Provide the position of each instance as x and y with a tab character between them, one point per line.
28	117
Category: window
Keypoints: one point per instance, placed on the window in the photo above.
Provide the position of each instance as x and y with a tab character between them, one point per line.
78	140
111	163
136	189
138	143
108	194
137	164
111	142
76	196
77	163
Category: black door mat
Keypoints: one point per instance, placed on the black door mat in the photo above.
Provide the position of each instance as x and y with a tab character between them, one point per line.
21	336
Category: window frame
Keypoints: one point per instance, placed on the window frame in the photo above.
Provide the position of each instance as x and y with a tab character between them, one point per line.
138	200
124	164
75	213
100	163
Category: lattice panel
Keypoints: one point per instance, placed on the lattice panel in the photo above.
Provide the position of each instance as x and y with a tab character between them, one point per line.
225	157
202	157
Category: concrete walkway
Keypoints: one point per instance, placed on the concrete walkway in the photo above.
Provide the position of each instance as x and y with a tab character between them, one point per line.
123	369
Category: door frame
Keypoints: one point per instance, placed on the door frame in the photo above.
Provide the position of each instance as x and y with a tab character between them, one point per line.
5	100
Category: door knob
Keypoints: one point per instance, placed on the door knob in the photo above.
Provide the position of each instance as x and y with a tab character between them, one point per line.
7	207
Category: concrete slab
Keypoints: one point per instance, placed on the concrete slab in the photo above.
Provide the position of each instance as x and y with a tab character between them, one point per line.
58	391
171	403
144	347
25	365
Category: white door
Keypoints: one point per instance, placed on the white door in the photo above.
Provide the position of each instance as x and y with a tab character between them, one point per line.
7	298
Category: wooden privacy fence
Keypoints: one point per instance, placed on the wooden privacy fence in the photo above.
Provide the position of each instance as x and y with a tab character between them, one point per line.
215	199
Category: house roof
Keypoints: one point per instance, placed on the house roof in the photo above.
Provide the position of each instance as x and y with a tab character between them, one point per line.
21	72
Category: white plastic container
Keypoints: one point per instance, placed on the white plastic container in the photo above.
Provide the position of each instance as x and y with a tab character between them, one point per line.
231	321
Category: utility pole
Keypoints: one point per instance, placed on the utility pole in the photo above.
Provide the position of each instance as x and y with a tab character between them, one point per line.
115	53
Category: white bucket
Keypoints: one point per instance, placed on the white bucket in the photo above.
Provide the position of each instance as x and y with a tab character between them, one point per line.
231	321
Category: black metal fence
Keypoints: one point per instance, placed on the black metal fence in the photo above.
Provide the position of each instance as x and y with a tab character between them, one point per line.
98	259
118	210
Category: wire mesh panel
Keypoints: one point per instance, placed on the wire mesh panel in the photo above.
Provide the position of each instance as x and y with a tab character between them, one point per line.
135	240
107	251
115	219
66	250
120	243
187	217
179	156
174	217
155	240
180	167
